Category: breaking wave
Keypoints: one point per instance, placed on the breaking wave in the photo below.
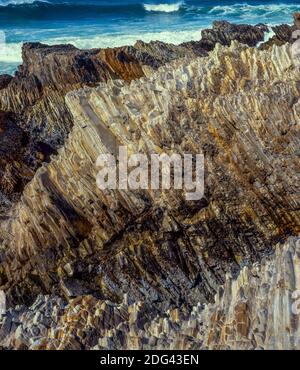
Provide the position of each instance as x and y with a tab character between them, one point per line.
165	8
248	10
108	23
20	2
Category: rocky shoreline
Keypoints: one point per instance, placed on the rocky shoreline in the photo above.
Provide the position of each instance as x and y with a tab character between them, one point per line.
34	98
83	269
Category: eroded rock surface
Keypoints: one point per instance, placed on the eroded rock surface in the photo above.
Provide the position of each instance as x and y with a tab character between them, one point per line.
224	33
105	266
257	310
35	96
227	105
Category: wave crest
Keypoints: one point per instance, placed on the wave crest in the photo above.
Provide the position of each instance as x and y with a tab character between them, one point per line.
164	8
20	2
253	10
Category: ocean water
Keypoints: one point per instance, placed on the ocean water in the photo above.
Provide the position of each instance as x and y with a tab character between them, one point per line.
110	23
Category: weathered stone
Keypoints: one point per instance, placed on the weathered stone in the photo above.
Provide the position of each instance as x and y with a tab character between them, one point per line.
149	269
224	33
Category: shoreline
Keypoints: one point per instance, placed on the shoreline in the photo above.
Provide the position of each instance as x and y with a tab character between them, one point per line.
269	34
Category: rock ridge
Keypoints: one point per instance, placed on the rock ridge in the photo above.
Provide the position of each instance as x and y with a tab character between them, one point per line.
82	268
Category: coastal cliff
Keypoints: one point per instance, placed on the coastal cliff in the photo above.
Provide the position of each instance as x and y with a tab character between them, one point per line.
85	268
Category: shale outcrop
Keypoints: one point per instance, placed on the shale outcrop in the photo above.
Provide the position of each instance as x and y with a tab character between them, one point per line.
85	268
35	96
258	310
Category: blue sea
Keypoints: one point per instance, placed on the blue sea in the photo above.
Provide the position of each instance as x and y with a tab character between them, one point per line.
110	23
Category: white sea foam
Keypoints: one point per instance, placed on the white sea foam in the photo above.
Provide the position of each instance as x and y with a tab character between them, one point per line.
165	8
112	40
254	10
19	2
12	52
267	36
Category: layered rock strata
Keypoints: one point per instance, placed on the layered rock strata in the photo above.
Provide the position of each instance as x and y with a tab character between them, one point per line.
258	310
111	267
161	247
35	96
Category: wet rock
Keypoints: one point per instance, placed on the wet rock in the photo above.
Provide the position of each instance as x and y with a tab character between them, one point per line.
224	33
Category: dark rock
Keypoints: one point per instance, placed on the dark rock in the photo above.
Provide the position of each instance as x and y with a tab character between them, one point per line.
4	81
297	20
224	33
283	34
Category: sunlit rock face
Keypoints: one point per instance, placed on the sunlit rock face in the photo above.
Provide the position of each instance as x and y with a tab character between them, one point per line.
239	106
141	269
35	96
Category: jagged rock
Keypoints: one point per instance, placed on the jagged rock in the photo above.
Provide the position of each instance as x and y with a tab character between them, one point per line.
179	250
30	326
35	95
13	170
2	303
224	33
165	53
253	311
283	34
140	269
5	327
19	158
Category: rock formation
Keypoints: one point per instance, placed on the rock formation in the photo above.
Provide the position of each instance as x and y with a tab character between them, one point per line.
35	96
255	311
224	33
84	268
282	33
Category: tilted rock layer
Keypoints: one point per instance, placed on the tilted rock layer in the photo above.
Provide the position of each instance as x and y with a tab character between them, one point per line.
255	311
129	267
35	95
